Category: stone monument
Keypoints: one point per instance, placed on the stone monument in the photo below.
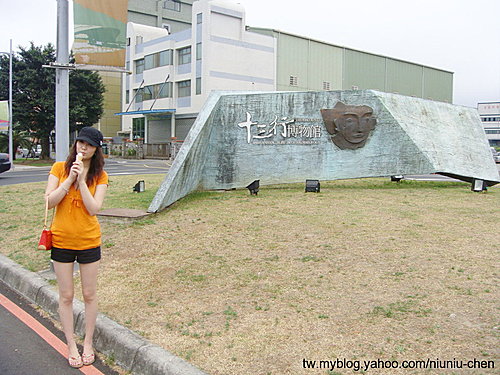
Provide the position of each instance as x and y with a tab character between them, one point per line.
285	137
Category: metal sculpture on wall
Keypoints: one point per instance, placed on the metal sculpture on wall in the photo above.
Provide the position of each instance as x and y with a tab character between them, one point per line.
349	125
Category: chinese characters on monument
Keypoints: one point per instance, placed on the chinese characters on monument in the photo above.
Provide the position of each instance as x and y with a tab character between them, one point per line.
281	131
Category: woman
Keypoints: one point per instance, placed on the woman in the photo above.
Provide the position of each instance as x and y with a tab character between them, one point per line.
77	188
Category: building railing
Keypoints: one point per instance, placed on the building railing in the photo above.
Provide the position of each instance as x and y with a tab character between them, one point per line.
140	150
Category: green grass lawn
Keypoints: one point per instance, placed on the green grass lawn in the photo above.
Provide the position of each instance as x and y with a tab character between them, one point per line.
238	284
33	162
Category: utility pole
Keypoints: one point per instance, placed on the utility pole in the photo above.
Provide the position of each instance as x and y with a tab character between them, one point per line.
11	123
62	81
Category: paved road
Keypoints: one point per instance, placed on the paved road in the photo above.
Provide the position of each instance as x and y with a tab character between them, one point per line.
24	351
120	167
114	167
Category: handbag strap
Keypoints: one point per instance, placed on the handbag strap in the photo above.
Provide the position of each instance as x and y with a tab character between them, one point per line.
46	213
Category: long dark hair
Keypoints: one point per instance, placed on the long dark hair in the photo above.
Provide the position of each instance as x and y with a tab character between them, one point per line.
96	163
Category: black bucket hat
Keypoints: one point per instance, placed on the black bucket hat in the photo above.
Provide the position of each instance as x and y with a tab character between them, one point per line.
90	135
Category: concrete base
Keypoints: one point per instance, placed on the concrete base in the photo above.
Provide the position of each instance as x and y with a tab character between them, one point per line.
122	214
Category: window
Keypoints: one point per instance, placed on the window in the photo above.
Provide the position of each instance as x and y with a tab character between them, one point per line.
184	55
139	66
138	95
138	39
199	18
326	85
293	81
172	5
127	96
150	61
198	51
198	86
166	26
165	90
154	92
138	128
165	58
184	88
147	93
158	59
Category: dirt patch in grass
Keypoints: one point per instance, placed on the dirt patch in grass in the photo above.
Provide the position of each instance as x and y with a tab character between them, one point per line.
367	269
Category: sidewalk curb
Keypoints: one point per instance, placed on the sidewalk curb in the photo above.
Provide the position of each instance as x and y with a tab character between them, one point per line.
130	351
18	168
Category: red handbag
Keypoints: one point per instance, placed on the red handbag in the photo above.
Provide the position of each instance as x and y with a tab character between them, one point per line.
45	242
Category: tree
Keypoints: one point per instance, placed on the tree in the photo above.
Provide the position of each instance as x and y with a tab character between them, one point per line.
20	139
86	98
34	94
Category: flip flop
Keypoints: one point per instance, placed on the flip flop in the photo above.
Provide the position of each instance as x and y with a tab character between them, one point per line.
88	359
75	362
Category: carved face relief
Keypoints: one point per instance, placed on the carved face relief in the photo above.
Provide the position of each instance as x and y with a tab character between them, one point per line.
349	125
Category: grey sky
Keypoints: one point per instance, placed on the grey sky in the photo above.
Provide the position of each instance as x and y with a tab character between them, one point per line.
461	36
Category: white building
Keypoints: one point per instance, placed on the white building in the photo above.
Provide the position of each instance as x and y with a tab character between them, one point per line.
173	74
490	116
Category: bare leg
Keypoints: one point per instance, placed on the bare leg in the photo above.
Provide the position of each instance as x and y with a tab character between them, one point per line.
88	273
64	274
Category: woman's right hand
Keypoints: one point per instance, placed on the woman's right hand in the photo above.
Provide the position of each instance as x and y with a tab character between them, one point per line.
75	171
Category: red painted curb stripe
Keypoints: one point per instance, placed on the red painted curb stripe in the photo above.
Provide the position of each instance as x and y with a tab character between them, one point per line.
43	332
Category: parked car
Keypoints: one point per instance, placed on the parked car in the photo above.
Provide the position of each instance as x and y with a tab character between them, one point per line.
37	151
4	162
22	152
34	152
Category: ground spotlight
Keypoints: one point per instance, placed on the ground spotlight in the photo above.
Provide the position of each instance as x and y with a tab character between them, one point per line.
478	185
312	186
253	188
397	178
139	187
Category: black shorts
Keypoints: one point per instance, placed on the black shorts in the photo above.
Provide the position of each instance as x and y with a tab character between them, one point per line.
81	256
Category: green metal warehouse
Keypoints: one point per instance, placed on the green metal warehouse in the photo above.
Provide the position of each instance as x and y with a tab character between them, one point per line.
307	64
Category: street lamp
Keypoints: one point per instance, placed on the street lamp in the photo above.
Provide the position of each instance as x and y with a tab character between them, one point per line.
11	153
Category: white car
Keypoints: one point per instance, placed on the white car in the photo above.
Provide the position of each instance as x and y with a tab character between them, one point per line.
27	153
496	155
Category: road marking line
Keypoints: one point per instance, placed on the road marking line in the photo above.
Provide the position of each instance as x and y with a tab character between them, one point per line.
43	332
152	167
30	175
